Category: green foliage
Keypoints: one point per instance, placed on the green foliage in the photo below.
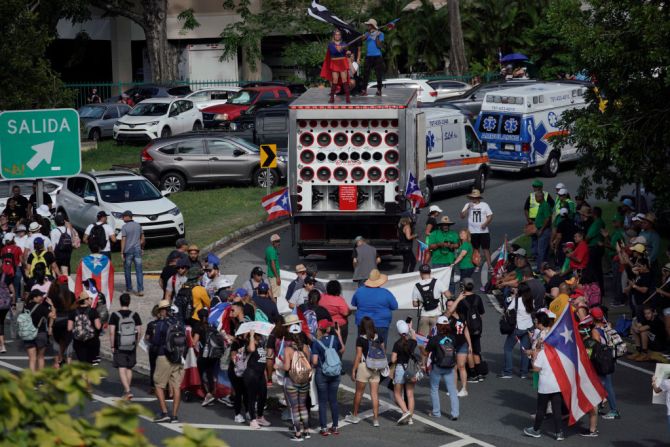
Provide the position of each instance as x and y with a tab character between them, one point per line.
26	77
624	45
307	56
190	23
38	411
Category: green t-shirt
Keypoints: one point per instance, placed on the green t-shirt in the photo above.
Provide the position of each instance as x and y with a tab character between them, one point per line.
271	255
443	255
617	235
466	262
593	236
543	213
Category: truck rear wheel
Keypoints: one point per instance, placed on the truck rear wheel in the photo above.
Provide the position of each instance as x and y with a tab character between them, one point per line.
550	168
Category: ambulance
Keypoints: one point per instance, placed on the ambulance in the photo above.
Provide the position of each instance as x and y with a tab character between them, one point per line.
517	126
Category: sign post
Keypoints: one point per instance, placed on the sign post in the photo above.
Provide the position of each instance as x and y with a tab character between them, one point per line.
268	154
39	144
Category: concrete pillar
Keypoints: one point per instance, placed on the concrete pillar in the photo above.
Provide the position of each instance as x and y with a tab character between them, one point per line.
247	73
122	61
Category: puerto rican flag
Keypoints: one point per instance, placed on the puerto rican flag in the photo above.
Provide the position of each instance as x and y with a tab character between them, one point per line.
413	192
100	268
422	252
579	383
501	261
277	204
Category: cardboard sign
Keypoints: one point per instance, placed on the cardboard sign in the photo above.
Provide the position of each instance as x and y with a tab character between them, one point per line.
348	197
258	327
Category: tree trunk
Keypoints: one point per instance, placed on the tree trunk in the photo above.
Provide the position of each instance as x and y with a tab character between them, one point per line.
458	63
162	54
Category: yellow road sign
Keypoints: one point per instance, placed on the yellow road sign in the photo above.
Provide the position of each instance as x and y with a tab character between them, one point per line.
268	155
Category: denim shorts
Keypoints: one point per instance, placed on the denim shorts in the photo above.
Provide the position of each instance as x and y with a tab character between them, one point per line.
399	376
463	349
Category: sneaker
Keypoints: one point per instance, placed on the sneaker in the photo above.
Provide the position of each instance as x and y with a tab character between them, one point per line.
296	438
247	416
162	417
350	418
208	400
263	422
404	417
462	393
523	376
481	378
334	431
3	350
530	431
560	436
613	414
410	422
239	419
452	418
504	376
314	408
306	434
473	379
375	422
589	434
254	425
174	420
227	402
433	415
324	432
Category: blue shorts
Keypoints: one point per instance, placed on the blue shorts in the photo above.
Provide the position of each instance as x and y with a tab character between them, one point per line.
463	349
399	376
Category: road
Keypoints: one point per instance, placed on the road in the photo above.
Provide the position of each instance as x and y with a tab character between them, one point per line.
493	414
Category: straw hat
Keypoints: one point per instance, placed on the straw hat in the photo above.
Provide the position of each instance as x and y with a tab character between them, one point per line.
163	304
193	248
445	221
639	248
650	217
376	279
475	194
34	227
291	319
372	22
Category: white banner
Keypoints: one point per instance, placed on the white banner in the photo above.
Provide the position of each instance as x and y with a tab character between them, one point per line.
259	327
400	285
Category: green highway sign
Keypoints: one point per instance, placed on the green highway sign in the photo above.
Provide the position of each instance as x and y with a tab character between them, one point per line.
39	143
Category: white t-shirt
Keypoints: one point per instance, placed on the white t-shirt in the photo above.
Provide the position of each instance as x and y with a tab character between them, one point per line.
665	386
477	215
523	319
438	290
21	242
108	231
30	243
547	382
174	284
299	297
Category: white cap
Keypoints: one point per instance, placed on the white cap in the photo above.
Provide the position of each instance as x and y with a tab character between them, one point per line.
294	329
9	237
638	240
434	209
638	217
560	186
402	327
562	192
563	211
520	252
442	320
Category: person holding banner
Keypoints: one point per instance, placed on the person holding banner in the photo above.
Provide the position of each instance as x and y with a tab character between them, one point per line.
335	66
374	41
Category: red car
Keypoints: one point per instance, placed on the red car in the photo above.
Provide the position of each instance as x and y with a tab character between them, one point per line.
220	116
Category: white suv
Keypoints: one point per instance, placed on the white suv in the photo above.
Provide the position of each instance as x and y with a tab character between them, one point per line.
114	192
425	93
158	117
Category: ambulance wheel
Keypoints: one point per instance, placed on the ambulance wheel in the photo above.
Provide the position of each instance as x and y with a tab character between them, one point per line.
550	168
427	192
480	180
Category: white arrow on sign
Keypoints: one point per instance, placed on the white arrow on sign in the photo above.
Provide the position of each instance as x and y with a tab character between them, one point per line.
43	152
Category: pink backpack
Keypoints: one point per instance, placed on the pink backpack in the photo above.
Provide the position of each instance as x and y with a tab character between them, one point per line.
592	293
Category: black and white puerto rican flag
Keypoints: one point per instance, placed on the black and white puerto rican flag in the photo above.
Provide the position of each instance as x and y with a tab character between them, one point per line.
320	12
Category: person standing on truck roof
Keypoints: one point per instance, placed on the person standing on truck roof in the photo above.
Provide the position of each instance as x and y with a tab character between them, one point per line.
335	66
272	261
530	210
479	216
364	259
373	57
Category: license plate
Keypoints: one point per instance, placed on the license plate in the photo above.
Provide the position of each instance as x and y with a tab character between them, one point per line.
508	147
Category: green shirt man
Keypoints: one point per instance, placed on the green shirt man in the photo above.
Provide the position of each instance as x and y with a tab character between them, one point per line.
272	262
442	244
593	235
543	214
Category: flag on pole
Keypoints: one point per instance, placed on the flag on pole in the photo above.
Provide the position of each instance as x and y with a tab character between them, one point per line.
391	25
191	380
501	261
277	204
422	252
99	268
413	192
321	13
577	379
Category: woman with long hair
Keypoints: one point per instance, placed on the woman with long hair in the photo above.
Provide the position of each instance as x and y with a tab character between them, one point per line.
64	302
406	236
42	314
363	375
206	365
462	343
523	304
335	66
403	351
464	256
440	350
296	393
327	383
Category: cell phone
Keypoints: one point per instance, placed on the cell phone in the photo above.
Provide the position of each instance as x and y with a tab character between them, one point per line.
408	320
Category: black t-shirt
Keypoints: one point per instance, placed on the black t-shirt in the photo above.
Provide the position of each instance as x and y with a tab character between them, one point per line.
258	358
268	307
643	280
657	328
168	272
92	315
201	330
21	206
458	331
433	222
554	281
538	292
48	257
321	312
363	343
114	317
473	301
40	315
46	199
567	229
406	352
249	312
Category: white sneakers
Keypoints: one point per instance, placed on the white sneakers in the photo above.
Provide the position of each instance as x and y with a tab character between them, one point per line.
463	392
239	419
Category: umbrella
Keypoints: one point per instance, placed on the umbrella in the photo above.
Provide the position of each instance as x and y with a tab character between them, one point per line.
513	57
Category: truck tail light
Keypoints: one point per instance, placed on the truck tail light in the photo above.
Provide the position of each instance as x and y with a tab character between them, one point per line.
354	123
306	139
374	173
307	174
358	173
302	123
391	139
340	139
145	154
374	139
365	123
323	173
312	123
344	123
324	123
323	139
391	174
433	94
394	123
307	156
340	174
333	123
392	157
525	147
358	139
385	123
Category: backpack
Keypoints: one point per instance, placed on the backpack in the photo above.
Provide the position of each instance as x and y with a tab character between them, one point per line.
175	342
184	302
100	235
26	330
8	265
240	362
445	354
412	369
592	293
602	357
427	295
615	341
214	345
376	357
300	371
259	315
126	336
64	244
311	320
332	364
83	329
473	319
5	294
38	259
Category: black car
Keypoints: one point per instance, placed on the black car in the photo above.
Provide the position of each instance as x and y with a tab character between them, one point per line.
269	126
247	119
470	102
142	92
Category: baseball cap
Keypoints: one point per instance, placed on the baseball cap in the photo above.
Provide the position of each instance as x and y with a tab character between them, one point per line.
597	313
425	268
638	217
36	292
194	272
639	248
520	252
537	184
358	238
102	214
402	327
442	320
256	271
127	213
241	292
638	240
324	324
263	287
434	209
183	263
563	211
20	227
468	281
628	203
38	241
562	192
275	237
310	280
294	329
300	268
8	237
560	185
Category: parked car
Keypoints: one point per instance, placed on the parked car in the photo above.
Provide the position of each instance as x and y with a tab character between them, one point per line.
470	102
446	88
425	93
211	96
247	118
114	192
158	117
267	126
222	115
296	89
206	157
146	91
51	187
97	120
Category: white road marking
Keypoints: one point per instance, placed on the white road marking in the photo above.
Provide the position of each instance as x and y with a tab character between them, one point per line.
20	357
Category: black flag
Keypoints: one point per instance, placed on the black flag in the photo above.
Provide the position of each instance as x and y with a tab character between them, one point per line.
320	12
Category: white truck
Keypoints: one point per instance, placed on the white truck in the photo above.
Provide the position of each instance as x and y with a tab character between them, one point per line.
518	124
202	62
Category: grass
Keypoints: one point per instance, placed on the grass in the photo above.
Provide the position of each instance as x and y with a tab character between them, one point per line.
209	213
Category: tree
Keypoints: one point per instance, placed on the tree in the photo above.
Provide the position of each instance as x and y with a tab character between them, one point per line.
151	16
39	410
26	76
623	44
458	65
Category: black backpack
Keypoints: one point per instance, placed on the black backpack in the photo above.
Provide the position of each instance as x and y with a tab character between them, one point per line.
64	244
99	234
175	341
602	357
427	295
184	303
214	345
445	354
473	318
